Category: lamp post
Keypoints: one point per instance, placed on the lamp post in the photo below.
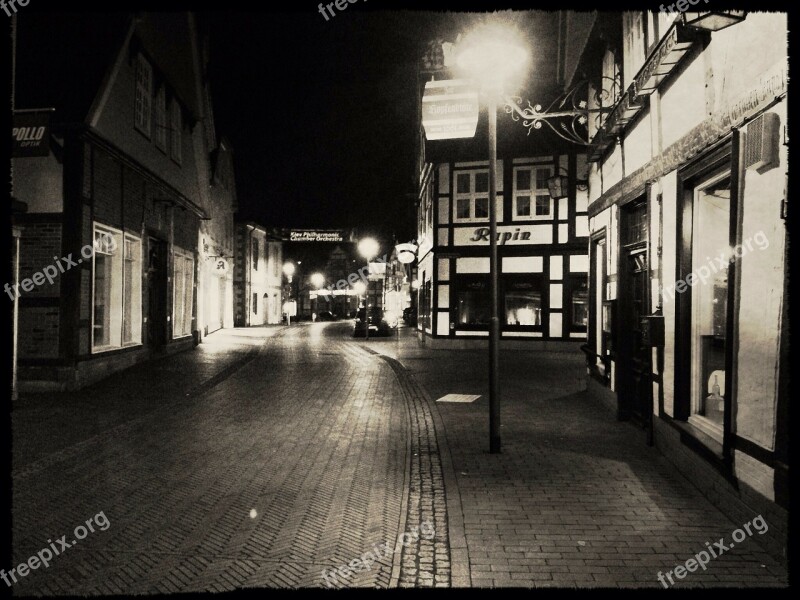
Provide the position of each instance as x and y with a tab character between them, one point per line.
317	280
288	270
360	288
490	56
368	248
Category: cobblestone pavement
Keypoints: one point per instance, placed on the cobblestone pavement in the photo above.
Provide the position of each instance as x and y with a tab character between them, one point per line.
262	462
285	463
576	499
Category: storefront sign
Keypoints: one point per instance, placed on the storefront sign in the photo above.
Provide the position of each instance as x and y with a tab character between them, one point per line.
450	109
316	235
506	235
771	86
30	134
221	266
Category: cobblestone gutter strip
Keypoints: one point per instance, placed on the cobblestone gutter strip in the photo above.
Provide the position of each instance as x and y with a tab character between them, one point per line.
124	428
427	563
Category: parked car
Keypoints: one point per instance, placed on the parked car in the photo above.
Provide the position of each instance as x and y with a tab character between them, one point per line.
326	315
378	325
410	317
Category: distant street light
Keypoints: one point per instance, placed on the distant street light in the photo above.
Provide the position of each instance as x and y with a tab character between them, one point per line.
288	270
490	55
368	248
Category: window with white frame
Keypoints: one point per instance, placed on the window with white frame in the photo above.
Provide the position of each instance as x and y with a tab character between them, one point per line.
471	198
161	119
144	95
176	129
183	276
532	199
116	289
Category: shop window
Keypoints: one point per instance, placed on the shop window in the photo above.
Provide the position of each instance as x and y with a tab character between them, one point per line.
522	302
183	294
132	289
116	289
579	306
709	302
425	295
598	327
473	301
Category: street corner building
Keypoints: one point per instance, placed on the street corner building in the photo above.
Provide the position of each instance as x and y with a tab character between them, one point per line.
687	254
542	231
258	275
130	155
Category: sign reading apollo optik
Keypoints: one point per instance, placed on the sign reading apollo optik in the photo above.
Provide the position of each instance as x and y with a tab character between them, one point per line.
30	134
450	109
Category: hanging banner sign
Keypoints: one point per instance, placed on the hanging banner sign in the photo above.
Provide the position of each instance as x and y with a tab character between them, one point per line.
316	235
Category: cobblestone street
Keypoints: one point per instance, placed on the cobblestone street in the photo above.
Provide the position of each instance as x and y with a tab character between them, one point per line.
269	455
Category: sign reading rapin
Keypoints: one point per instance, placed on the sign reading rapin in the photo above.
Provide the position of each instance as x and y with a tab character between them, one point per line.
450	109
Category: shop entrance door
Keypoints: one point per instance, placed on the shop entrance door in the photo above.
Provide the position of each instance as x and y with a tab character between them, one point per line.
634	357
157	294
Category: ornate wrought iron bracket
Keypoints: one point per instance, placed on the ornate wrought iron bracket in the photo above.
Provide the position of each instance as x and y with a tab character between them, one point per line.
569	111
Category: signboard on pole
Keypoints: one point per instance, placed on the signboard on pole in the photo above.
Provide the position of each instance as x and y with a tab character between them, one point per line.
316	235
30	134
290	308
450	109
377	271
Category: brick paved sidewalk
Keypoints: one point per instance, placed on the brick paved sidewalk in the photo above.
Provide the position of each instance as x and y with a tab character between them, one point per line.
45	423
576	498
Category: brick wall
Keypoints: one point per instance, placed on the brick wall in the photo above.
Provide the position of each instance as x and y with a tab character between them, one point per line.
39	325
38	332
40	245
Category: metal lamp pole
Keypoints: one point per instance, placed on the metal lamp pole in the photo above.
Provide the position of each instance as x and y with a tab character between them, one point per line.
494	331
366	305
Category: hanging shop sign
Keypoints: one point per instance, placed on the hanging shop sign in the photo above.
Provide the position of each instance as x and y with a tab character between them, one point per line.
30	134
450	109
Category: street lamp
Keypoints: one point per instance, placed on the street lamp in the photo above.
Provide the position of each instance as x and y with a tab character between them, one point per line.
368	248
491	56
288	270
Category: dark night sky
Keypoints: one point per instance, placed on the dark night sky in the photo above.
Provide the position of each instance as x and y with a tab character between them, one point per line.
320	114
